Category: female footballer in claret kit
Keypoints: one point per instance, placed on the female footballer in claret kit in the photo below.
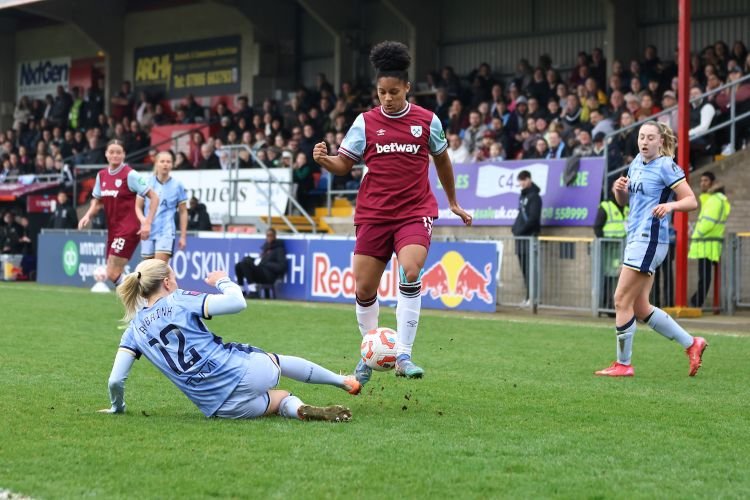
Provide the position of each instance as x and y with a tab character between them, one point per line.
395	205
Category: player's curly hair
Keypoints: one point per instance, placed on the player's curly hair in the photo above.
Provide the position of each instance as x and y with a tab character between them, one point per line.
142	283
391	59
670	139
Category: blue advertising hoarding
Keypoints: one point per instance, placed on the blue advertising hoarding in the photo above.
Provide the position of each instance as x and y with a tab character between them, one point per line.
457	275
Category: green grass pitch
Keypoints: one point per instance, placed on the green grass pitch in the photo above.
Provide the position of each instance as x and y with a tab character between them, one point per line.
507	409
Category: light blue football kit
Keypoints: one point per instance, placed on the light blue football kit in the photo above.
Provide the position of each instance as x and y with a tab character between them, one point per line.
171	194
650	184
171	334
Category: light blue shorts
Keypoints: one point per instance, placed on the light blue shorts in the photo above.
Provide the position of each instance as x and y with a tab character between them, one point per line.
645	256
250	398
161	244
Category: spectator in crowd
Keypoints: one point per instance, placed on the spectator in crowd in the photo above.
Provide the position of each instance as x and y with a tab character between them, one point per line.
600	123
181	162
557	147
708	236
669	100
473	134
58	115
271	266
123	102
702	113
527	223
585	145
198	218
64	215
22	114
457	151
302	176
208	159
11	235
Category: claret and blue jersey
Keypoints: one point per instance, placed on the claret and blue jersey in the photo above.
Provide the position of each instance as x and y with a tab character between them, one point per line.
651	184
172	335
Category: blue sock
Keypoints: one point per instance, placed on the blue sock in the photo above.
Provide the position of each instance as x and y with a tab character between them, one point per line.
663	324
306	371
625	342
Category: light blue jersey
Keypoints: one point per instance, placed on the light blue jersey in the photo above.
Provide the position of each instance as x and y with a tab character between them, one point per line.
651	184
171	194
172	335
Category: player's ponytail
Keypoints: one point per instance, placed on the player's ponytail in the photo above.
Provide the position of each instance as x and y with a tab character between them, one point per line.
141	284
391	59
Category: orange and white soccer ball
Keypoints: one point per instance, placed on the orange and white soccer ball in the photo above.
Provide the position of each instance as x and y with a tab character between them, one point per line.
378	349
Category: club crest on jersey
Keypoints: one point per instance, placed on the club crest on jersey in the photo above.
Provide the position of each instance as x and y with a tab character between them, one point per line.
118	182
416	130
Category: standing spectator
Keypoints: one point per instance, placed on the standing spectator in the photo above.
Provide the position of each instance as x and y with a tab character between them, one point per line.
527	223
21	114
64	216
600	123
92	107
11	234
123	103
303	180
598	67
708	236
208	159
58	115
701	114
194	112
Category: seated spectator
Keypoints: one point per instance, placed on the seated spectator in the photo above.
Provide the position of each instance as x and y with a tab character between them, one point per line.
599	144
457	151
626	142
600	123
496	152
539	151
557	148
585	146
181	162
271	266
648	107
208	160
633	105
198	219
11	234
472	134
669	100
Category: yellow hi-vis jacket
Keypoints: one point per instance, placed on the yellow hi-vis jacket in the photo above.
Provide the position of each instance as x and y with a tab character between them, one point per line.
615	225
708	236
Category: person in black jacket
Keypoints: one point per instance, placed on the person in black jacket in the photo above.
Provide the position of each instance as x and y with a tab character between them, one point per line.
527	223
272	265
198	218
64	216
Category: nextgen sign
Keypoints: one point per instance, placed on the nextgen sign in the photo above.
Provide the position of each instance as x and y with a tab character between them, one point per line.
41	77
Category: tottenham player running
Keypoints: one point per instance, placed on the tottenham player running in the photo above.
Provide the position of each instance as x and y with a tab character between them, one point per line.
653	181
115	190
172	198
226	380
395	205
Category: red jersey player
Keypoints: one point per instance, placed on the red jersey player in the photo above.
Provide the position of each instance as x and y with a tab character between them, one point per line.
395	205
115	189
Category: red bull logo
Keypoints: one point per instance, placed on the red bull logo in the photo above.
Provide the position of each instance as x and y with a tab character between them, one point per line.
331	281
453	280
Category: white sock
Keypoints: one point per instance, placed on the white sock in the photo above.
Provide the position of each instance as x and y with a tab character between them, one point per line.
289	406
308	372
367	314
625	335
407	315
663	324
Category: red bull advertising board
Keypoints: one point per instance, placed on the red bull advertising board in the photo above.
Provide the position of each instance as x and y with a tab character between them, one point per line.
458	276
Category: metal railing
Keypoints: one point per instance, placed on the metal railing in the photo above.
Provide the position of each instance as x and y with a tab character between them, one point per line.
333	193
731	123
740	284
234	180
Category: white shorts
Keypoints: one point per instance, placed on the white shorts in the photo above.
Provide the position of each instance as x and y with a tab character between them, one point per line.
152	246
250	398
644	256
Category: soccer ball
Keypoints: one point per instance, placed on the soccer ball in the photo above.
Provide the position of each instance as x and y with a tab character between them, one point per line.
100	274
378	349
